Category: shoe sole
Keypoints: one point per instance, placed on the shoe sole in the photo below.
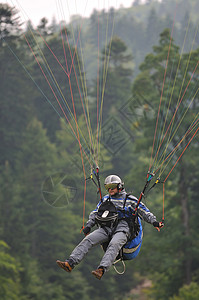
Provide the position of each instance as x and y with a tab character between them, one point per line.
64	265
96	275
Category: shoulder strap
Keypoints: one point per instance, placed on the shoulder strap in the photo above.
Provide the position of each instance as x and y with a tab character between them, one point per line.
128	195
124	204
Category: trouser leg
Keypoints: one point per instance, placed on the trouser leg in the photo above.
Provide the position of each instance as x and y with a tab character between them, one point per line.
118	240
98	236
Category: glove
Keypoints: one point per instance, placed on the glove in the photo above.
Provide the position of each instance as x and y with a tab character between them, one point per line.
86	230
158	225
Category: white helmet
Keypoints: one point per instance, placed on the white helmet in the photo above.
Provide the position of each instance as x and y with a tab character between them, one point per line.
113	181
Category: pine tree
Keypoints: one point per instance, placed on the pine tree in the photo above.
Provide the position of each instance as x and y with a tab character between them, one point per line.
15	87
9	278
58	76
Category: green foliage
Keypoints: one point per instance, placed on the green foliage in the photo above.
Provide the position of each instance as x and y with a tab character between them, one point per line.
9	278
9	21
188	292
15	93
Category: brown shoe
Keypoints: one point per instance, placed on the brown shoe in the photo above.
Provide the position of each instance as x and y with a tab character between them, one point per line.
64	265
98	273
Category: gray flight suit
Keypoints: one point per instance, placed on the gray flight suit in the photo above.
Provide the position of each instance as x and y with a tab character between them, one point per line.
100	236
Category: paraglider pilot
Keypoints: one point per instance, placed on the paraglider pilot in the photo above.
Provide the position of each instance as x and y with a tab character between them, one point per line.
113	215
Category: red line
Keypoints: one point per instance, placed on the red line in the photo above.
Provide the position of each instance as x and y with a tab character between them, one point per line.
64	51
71	91
80	146
69	73
72	65
53	54
83	107
76	124
72	56
162	92
181	155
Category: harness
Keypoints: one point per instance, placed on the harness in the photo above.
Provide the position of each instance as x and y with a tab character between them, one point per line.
107	215
132	220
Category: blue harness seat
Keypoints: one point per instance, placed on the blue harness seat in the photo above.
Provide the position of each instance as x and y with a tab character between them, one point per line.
132	248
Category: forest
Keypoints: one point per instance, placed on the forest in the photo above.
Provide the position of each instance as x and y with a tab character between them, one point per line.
119	91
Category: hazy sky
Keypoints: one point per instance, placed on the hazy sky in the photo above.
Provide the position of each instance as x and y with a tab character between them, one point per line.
61	9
